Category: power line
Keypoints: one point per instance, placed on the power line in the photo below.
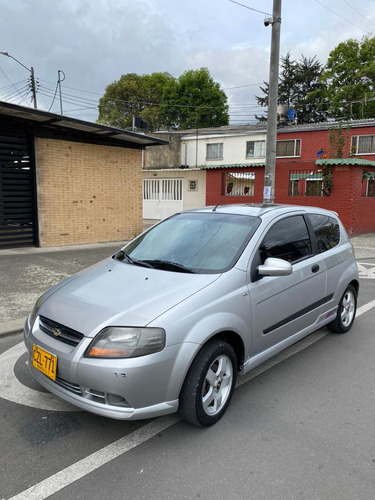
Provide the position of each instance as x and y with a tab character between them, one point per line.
4	89
250	8
358	12
54	97
342	17
243	86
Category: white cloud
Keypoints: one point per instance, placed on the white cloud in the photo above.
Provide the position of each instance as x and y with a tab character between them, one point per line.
96	41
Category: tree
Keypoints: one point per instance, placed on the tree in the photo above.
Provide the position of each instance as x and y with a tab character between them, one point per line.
308	81
348	80
296	81
194	100
134	95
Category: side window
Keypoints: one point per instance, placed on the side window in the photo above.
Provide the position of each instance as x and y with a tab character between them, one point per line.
288	239
327	231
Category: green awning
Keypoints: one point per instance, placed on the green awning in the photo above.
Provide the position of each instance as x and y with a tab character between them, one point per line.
233	165
346	161
313	175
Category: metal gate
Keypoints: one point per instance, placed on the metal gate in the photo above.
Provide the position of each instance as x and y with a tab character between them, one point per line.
17	209
161	198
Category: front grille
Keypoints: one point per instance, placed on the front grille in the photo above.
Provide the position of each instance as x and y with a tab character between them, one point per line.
68	386
103	398
60	332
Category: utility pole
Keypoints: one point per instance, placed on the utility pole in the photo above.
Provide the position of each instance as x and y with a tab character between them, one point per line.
269	174
32	77
33	88
59	82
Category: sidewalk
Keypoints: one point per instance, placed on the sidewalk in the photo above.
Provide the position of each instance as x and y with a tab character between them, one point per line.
27	272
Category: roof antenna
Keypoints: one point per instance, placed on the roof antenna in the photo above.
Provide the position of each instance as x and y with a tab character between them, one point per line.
220	202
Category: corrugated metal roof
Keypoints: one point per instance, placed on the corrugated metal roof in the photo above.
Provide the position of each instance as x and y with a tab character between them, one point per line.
282	128
172	169
345	161
306	127
233	165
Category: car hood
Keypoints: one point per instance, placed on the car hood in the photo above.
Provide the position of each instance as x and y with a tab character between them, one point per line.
119	294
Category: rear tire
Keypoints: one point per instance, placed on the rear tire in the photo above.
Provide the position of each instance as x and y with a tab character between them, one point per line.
209	384
345	312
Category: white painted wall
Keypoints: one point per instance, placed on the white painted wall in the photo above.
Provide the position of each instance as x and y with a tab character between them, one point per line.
191	199
234	149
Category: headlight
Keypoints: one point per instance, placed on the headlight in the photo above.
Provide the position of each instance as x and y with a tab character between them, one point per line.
126	342
34	312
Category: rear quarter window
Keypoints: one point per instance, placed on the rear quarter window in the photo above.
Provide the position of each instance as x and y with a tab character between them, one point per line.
327	231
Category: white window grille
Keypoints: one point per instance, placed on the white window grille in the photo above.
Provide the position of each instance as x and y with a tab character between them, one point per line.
239	183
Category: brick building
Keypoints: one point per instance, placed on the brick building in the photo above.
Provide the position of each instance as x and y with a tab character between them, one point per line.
303	170
66	181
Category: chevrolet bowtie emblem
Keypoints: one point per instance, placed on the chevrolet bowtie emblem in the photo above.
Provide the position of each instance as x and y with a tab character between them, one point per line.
56	332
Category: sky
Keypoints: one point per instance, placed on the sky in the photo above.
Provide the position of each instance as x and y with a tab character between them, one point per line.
94	42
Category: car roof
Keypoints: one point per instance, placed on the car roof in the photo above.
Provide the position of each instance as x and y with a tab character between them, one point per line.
260	210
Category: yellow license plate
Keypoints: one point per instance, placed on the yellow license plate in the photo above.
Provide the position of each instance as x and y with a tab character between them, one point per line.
45	362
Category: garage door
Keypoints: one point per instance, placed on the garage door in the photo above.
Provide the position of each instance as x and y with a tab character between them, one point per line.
17	210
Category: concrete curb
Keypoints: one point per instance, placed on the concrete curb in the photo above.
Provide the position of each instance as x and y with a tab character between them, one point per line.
10	327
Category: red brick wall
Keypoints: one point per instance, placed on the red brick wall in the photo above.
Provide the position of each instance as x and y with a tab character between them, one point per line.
357	212
363	214
215	187
340	199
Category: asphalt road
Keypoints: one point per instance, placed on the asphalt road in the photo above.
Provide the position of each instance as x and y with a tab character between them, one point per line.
301	426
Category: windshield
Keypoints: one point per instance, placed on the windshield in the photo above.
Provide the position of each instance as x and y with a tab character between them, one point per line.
196	242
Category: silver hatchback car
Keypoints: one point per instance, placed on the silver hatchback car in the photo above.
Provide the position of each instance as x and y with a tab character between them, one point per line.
168	322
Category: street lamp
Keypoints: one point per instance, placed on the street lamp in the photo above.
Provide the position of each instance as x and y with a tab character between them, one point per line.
32	77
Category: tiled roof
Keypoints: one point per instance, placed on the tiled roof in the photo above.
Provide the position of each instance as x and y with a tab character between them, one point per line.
262	127
326	125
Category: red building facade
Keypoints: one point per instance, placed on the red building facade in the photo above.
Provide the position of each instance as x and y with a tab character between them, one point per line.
328	168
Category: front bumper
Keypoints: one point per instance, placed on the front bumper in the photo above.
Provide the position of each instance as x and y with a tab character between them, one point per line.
125	389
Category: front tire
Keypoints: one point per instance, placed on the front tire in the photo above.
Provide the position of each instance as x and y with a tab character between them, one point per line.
209	384
345	312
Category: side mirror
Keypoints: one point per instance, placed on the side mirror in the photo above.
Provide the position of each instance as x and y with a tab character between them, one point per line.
275	267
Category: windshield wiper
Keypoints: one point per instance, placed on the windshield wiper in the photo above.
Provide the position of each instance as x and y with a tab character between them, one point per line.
121	255
169	266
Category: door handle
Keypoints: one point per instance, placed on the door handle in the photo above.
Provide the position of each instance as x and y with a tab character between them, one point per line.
315	268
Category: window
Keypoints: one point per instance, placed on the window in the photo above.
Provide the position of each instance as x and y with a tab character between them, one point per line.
314	187
363	144
201	242
255	149
171	189
288	148
193	186
239	184
368	183
293	187
288	239
214	151
327	231
162	189
305	183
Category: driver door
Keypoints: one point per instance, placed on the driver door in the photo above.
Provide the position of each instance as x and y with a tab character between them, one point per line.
282	306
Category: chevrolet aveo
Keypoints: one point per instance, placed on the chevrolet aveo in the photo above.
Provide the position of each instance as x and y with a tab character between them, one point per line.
168	322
